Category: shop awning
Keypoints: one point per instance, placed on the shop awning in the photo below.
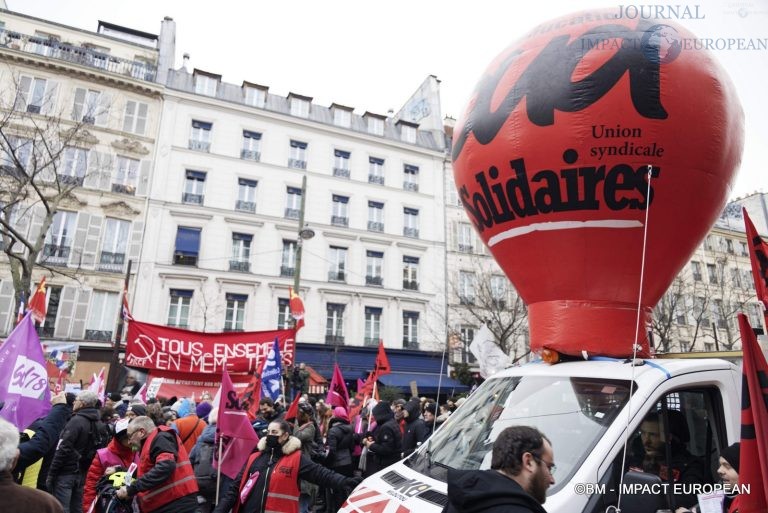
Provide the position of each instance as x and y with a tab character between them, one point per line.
426	383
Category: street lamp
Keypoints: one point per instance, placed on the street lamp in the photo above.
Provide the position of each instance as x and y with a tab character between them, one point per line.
305	233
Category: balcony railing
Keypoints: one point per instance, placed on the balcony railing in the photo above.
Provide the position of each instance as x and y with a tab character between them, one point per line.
179	259
121	188
336	276
298	164
335	340
76	181
56	255
111	262
291	213
410	285
467	300
411	232
101	335
339	221
193	199
77	55
374	280
372	341
410	343
240	266
245	206
376	179
287	270
197	145
250	155
340	171
411	186
465	248
33	109
375	226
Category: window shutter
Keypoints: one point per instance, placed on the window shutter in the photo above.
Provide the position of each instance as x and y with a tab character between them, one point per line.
22	226
81	232
134	247
66	310
141	122
102	116
130	115
143	186
77	108
92	238
51	94
106	170
37	214
7	302
80	316
93	173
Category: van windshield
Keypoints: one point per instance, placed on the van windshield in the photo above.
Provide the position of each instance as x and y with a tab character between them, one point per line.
572	412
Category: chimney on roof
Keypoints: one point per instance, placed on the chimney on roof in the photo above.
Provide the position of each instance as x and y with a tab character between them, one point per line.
166	46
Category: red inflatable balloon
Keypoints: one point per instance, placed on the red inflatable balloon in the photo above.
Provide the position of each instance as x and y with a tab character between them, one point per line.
552	158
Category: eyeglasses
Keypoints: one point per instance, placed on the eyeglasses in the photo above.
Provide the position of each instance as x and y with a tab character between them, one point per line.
550	466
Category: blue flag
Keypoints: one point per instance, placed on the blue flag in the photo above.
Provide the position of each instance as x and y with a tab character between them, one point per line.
23	377
271	376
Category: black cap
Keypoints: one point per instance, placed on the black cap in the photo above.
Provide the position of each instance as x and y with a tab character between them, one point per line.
732	455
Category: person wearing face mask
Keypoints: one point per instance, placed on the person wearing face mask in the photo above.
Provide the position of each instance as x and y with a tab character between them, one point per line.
270	479
166	482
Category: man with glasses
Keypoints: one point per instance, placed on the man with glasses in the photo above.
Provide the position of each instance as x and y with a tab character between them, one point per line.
522	468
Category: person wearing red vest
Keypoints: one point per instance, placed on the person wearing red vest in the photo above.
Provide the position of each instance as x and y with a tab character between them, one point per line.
117	454
270	479
166	482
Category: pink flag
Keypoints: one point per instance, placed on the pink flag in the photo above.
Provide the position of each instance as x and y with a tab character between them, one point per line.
23	378
233	431
337	392
142	393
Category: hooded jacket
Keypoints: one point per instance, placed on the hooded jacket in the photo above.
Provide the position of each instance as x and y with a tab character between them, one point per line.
340	443
72	453
487	491
388	442
416	431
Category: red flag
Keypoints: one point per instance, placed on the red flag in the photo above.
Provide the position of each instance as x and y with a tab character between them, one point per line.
252	393
758	255
233	431
126	313
753	468
337	391
297	308
293	409
382	362
37	302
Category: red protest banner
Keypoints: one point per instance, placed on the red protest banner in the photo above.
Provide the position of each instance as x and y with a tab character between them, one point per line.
162	348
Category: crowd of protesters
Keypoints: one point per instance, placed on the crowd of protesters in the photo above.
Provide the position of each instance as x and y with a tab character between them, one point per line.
120	454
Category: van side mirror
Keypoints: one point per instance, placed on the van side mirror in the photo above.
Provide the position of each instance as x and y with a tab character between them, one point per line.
646	496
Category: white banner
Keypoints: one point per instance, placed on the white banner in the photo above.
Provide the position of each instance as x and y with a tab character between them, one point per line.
489	355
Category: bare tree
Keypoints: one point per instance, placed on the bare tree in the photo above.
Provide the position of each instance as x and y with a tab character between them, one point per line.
41	171
209	305
667	312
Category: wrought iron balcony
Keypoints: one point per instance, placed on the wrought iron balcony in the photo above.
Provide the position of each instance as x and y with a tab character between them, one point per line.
197	145
374	280
33	109
101	335
242	266
287	270
298	164
77	181
250	155
89	120
336	276
376	179
465	248
411	232
124	189
111	262
77	55
499	303
193	199
335	340
291	213
410	285
411	186
179	259
372	341
410	343
56	255
466	300
245	206
339	221
375	226
340	171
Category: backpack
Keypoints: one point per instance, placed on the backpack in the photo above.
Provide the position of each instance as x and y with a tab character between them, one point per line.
106	501
99	436
204	471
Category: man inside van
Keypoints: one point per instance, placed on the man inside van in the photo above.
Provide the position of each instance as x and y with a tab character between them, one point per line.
522	468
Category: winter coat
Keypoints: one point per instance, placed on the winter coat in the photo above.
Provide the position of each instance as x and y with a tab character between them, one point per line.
72	454
340	443
487	491
387	444
97	468
416	431
23	499
189	429
43	443
208	436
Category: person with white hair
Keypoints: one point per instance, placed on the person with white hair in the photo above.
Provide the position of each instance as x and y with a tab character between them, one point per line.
17	498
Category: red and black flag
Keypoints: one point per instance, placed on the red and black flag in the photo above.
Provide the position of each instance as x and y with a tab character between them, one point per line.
382	366
753	457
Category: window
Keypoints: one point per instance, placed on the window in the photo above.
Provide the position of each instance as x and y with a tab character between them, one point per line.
411	178
696	271
374	264
339	215
19	148
755	314
407	133
298	155
126	176
681	311
292	203
464	237
375	125
375	216
372	326
729	246
200	137
700	312
135	119
102	316
342	117
187	246
251	146
299	107
194	188
410	273
205	85
735	277
58	241
498	291
411	222
73	166
334	323
341	163
466	288
453	193
31	95
255	96
87	107
288	265
246	195
178	310
376	170
743	246
718	311
53	298
410	330
235	315
241	252
114	241
284	314
337	258
708	243
712	273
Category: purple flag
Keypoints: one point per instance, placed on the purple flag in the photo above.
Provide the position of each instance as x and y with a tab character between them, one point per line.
23	378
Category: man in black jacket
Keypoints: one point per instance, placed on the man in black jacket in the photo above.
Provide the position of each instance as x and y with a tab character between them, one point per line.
385	443
522	463
47	431
74	453
416	431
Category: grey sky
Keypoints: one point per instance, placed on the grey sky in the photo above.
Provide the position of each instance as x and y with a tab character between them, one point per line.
373	55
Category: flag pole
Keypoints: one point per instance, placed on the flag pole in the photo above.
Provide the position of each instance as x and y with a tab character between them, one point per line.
218	473
114	362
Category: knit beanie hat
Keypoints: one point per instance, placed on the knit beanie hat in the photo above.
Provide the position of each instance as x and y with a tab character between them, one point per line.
139	409
731	454
203	409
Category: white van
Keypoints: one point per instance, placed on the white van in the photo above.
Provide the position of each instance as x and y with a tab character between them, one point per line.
584	408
